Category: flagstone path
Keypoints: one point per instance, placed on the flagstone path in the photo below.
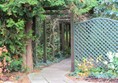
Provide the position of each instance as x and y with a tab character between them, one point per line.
54	74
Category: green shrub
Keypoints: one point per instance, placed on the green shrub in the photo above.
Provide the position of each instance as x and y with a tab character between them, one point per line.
111	69
16	65
86	68
107	8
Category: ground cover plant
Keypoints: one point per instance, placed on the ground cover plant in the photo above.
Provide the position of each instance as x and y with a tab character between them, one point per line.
87	69
107	8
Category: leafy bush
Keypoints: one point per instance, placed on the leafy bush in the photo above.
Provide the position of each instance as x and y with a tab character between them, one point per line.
4	60
16	65
8	64
80	7
83	68
107	8
14	16
86	68
111	69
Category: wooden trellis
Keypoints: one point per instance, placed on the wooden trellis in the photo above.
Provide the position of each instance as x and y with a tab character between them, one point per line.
66	21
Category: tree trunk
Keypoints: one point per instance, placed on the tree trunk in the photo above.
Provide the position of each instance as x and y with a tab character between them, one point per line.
24	60
29	58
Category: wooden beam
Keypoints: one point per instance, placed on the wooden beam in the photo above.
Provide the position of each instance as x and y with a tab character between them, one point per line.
72	44
34	42
57	12
55	8
54	13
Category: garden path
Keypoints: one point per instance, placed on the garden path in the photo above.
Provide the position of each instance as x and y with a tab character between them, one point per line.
54	74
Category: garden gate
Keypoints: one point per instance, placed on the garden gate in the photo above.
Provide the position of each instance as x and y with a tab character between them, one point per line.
95	37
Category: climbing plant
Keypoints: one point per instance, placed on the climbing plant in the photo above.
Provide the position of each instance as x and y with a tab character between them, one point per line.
16	21
14	15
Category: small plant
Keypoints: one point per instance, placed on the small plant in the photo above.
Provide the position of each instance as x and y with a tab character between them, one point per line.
16	65
112	64
111	67
87	68
84	67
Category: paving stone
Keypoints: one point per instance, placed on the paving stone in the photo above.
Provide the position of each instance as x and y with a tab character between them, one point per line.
54	74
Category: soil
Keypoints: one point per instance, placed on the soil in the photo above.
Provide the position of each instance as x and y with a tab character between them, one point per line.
93	80
101	80
16	77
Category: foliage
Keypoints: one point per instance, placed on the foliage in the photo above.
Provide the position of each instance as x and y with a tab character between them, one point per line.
14	14
112	64
83	68
56	2
4	60
15	65
83	6
87	68
107	8
77	6
7	64
111	69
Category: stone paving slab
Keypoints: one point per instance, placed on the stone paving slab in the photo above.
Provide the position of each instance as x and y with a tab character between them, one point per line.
54	74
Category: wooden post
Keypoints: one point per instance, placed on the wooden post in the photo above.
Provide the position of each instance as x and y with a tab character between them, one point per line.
53	48
60	26
63	38
45	43
58	32
29	58
34	43
72	43
67	35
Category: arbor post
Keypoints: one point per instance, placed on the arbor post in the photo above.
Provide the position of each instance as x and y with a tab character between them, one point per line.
29	58
45	43
72	44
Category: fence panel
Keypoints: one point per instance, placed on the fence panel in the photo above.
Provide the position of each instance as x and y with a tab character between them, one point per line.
95	37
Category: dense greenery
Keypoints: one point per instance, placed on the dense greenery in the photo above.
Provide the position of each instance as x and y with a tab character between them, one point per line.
83	6
14	14
107	8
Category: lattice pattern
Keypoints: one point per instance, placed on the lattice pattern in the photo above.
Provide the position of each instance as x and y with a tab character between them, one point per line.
95	37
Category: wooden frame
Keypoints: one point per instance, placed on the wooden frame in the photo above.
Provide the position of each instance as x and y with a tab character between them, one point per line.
70	28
